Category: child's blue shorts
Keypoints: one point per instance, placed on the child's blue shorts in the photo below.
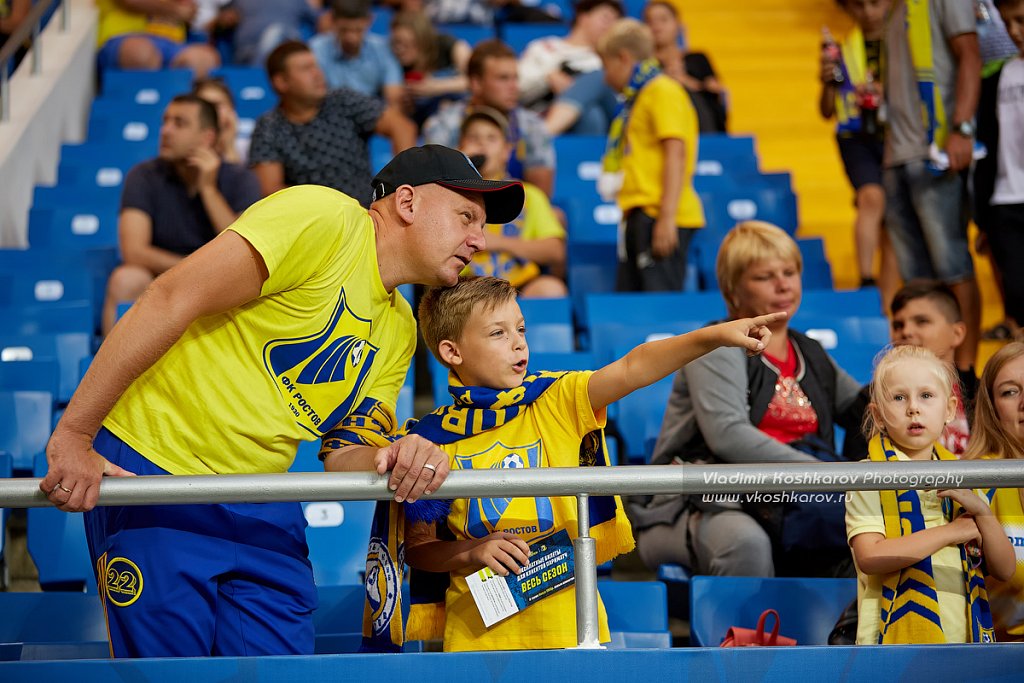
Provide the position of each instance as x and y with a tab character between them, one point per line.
200	580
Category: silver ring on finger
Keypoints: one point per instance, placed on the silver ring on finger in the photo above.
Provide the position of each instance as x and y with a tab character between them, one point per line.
432	468
60	485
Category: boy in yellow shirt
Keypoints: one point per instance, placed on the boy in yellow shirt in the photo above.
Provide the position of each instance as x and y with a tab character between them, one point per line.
517	250
649	163
506	417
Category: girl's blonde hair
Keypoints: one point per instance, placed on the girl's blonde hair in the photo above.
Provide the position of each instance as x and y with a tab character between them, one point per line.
943	371
988	436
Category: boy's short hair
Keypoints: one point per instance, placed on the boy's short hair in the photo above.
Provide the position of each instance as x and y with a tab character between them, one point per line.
444	311
748	243
484	113
630	35
584	6
277	61
487	49
939	293
351	9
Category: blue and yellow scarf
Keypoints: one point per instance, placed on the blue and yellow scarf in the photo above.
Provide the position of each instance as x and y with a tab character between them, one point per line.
855	67
919	37
910	602
476	410
643	73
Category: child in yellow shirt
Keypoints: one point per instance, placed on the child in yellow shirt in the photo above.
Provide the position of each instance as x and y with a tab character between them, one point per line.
506	417
649	163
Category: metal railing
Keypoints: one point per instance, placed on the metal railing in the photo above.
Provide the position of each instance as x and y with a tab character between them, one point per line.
579	482
30	28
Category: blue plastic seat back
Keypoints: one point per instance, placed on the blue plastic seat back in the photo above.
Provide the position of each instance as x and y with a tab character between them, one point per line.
57	544
549	326
577	360
638	415
19	373
590	270
591	219
471	33
863	303
73	227
808	608
63	617
380	155
68	350
817	272
518	36
834	331
635	605
146	87
339	531
120	155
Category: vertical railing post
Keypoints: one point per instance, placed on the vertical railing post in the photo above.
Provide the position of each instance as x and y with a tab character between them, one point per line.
585	551
63	15
37	50
5	94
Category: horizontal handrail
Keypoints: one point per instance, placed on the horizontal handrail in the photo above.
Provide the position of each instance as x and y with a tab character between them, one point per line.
504	483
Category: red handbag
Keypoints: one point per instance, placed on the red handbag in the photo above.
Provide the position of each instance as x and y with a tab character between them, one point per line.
745	637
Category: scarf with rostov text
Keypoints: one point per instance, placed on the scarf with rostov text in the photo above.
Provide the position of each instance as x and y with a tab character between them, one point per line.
476	410
910	604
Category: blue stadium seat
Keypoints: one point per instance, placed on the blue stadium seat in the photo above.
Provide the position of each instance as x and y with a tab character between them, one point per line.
74	227
817	270
549	325
637	613
438	383
37	374
835	330
381	24
471	33
577	360
120	155
29	618
591	219
56	542
591	270
53	196
808	608
339	531
68	351
637	416
44	286
146	87
380	155
247	83
864	302
130	129
76	316
518	36
629	318
579	165
858	360
727	157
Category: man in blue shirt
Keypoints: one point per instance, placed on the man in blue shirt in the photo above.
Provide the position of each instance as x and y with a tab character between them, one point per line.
355	59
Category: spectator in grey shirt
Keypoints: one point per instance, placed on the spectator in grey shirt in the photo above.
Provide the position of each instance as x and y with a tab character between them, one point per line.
728	408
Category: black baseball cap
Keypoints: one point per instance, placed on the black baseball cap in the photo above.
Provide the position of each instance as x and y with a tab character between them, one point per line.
503	199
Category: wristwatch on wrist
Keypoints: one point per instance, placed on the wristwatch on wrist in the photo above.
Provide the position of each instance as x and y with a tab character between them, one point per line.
965	128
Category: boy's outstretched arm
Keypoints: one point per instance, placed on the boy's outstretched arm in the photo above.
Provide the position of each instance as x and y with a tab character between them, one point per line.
649	362
503	552
877	554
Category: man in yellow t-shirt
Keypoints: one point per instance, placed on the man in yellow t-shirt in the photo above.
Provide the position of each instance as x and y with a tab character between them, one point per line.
654	148
517	250
150	35
286	327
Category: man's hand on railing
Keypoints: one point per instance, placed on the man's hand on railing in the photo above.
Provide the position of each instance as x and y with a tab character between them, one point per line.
74	470
417	466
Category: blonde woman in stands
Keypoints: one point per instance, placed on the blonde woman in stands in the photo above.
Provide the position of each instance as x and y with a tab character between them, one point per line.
999	434
922	556
727	408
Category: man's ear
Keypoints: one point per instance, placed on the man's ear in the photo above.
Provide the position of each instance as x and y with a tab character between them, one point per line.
405	203
279	83
959	333
449	352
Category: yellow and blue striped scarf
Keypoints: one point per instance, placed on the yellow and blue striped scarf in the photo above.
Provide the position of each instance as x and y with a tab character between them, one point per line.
476	410
910	602
854	66
643	73
919	37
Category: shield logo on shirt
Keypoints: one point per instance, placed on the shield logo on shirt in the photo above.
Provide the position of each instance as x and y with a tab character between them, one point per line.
320	376
485	515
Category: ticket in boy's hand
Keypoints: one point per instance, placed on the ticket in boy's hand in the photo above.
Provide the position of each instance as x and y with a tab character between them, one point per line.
550	570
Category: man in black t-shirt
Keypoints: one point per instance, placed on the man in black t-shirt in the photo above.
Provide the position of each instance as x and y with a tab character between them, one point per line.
316	137
175	203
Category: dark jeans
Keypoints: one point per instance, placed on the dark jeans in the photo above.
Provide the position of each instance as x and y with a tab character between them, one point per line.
639	271
1006	242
